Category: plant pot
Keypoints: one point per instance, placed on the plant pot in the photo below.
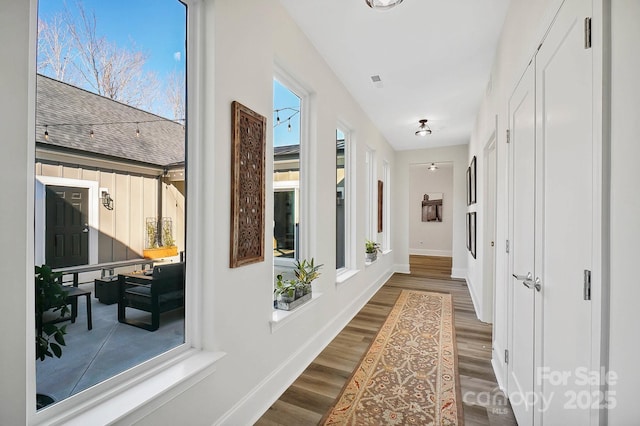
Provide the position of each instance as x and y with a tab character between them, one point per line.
160	252
286	305
371	257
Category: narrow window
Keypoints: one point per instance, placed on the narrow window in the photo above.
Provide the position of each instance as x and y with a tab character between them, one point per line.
110	188
386	207
342	201
286	175
372	196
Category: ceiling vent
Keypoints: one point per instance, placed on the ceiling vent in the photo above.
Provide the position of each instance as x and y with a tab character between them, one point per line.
377	81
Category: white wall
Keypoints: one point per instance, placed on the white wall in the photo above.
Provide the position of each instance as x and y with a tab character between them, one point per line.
430	238
457	156
241	43
625	209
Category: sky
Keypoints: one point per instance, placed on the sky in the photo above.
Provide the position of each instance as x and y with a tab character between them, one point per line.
158	27
285	98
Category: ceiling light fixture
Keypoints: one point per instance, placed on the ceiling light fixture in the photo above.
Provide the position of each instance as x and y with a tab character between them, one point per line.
433	167
382	4
423	129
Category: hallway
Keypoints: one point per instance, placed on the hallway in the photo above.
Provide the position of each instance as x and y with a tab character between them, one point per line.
315	391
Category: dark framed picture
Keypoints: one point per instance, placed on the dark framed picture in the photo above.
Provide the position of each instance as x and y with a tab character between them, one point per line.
468	186
468	234
247	185
472	182
472	234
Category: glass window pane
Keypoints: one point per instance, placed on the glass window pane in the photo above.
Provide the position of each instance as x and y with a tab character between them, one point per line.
286	172
340	201
116	204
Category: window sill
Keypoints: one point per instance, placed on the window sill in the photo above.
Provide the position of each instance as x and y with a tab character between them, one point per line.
139	394
280	317
346	275
385	252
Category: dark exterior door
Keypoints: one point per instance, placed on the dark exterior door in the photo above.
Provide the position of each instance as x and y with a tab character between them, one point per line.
67	229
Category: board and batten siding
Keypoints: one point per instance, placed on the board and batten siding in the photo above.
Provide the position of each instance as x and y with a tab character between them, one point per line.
121	231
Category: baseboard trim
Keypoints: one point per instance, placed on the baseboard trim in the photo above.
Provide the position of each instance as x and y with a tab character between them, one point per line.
402	268
474	299
250	408
459	273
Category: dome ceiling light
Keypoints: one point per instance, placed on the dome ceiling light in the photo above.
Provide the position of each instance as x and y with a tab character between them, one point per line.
382	4
423	129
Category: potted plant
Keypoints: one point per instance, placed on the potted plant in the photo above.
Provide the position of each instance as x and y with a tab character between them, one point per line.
49	296
371	249
159	239
291	293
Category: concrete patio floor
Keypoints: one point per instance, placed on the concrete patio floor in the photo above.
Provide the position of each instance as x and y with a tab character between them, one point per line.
92	356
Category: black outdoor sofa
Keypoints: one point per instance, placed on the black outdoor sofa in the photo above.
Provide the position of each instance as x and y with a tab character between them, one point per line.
157	291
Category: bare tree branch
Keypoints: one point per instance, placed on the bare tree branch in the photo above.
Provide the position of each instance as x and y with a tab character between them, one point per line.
70	49
175	94
55	49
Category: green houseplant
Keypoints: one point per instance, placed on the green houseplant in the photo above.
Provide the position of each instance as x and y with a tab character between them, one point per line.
49	296
291	293
371	249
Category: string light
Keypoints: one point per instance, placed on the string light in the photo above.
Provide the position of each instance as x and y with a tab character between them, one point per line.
110	123
286	120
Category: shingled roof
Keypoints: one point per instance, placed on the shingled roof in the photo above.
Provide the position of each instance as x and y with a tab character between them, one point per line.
70	113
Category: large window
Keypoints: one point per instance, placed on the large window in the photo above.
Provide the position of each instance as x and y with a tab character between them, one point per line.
110	187
287	172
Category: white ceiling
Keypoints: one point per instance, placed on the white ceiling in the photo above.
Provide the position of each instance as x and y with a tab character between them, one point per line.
434	58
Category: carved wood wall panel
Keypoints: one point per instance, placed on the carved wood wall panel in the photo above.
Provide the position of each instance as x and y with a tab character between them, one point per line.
247	185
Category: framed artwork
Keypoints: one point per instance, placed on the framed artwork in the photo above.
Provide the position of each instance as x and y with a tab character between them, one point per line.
432	207
248	141
468	186
380	204
472	233
468	234
472	181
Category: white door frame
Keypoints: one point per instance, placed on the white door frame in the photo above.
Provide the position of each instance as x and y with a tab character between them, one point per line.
489	224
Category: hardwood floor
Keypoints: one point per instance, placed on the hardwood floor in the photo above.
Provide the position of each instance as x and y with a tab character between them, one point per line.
307	400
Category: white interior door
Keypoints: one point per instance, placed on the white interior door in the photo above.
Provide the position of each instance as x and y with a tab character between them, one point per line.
564	229
522	221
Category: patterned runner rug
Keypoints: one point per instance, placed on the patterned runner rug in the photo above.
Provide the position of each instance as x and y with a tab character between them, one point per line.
409	374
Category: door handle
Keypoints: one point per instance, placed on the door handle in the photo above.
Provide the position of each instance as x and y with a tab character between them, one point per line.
86	228
537	284
527	280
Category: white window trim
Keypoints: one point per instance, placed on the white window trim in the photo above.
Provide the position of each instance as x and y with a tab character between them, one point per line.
306	149
386	207
141	389
350	268
372	185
